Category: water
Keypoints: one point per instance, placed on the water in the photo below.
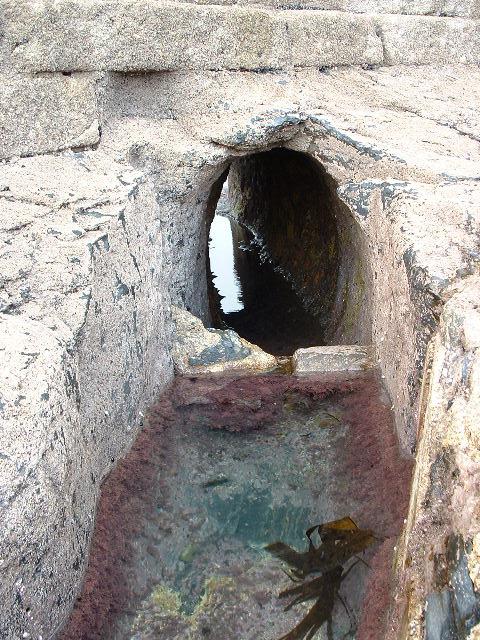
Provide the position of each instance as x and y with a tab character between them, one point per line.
222	265
256	298
224	467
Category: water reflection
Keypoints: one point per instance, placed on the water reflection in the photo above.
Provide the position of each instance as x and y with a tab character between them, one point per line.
225	278
224	467
256	298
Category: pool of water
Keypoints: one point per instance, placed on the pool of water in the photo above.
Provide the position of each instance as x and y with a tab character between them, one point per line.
257	300
226	466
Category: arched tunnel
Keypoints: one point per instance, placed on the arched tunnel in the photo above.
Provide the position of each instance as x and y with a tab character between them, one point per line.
234	465
299	256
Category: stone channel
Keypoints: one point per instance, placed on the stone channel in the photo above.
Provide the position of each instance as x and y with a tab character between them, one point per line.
226	466
346	137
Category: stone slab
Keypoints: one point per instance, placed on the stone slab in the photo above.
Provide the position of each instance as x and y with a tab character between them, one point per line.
47	113
143	36
333	358
134	35
429	40
198	350
331	38
465	9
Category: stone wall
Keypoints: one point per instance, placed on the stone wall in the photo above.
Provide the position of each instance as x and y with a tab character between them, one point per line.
105	193
129	35
438	561
83	338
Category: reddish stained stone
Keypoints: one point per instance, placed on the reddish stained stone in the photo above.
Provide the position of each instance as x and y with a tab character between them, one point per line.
372	464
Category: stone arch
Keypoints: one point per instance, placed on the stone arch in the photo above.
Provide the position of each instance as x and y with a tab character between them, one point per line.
290	201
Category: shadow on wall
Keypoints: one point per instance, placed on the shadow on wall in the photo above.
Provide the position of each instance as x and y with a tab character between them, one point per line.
305	246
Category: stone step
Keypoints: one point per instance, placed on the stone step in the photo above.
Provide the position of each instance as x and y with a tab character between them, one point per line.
466	9
333	358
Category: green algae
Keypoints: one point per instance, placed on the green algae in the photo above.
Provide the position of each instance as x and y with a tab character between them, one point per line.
214	587
189	552
164	606
165	600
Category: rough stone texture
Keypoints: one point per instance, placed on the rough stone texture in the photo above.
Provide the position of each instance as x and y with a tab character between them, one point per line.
465	9
430	40
76	283
47	113
334	358
97	243
197	350
438	558
293	206
133	35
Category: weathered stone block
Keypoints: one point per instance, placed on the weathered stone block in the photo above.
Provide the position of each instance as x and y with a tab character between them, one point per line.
331	38
334	358
429	40
138	36
133	35
199	350
465	9
47	113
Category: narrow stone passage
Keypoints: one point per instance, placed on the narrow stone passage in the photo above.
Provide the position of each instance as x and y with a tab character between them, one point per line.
291	269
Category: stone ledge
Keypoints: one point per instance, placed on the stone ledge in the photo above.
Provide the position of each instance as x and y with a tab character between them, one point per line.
465	9
149	36
429	40
197	350
132	36
333	358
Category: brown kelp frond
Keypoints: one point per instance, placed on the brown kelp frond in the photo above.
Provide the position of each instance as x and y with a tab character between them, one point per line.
321	587
335	527
286	553
320	613
325	589
340	540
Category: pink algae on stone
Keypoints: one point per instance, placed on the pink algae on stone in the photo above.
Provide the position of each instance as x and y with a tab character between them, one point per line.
371	464
124	498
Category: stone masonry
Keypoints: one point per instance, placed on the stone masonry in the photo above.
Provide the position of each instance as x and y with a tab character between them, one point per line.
117	119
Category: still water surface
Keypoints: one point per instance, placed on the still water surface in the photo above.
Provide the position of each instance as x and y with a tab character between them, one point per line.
257	299
225	467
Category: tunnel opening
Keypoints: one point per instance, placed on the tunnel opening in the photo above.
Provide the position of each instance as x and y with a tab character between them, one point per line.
287	262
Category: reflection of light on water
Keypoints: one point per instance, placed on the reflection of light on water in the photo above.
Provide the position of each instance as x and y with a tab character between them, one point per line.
222	265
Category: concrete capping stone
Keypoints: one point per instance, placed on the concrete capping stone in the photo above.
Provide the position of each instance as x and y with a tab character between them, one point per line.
331	38
333	358
144	35
427	40
451	8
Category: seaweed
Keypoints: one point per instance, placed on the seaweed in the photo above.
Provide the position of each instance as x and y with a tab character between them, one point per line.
340	540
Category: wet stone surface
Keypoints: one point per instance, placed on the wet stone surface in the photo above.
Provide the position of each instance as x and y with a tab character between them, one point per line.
453	610
225	467
229	348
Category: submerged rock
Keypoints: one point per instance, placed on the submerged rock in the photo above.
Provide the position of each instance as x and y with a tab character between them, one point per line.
197	349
